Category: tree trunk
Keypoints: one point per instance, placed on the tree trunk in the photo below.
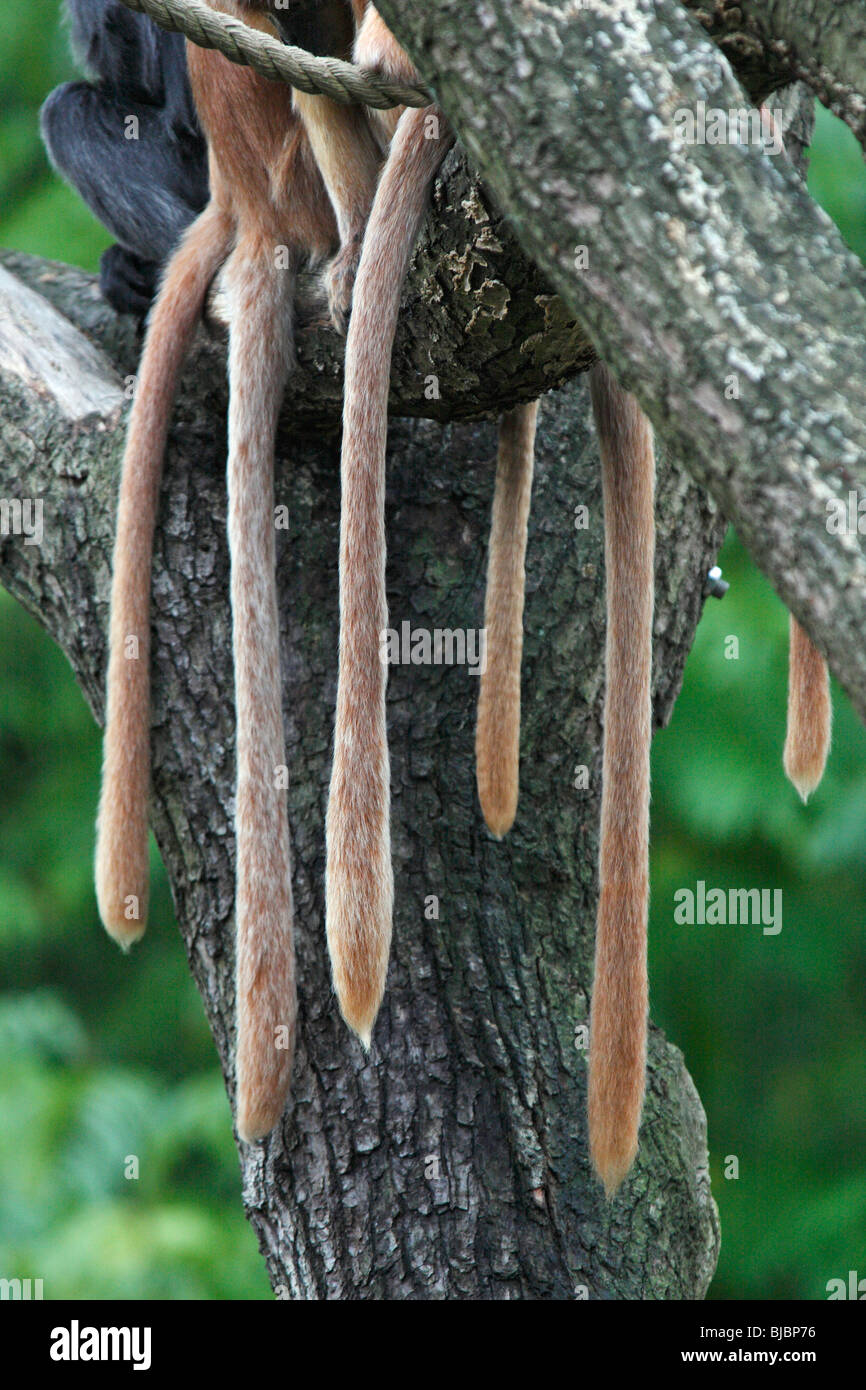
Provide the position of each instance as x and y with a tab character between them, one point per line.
451	1162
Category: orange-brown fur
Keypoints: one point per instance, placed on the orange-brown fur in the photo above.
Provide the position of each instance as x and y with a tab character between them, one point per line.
359	884
810	713
359	879
497	734
348	155
618	1021
122	844
266	193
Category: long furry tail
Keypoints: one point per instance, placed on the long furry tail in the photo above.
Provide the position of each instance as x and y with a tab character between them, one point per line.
497	734
260	357
121	846
618	1021
810	713
359	880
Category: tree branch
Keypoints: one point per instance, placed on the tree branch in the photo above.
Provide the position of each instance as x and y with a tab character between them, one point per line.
770	43
480	325
709	266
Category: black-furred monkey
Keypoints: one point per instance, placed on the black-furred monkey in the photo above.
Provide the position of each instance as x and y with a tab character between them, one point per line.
145	189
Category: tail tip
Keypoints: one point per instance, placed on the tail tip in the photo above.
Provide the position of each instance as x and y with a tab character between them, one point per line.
498	826
499	809
360	1014
613	1168
125	933
256	1119
804	775
251	1131
359	946
123	898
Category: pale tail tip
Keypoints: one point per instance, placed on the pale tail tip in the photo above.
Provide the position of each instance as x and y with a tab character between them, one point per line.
614	1162
260	1107
611	1187
804	780
498	786
612	1174
359	1017
125	934
498	828
499	814
252	1129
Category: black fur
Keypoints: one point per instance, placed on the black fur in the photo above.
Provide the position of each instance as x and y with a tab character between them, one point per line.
145	190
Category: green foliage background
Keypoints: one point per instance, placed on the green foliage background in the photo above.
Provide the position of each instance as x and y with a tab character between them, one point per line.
118	1176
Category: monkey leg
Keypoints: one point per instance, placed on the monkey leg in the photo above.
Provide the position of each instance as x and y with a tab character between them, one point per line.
349	159
340	136
127	281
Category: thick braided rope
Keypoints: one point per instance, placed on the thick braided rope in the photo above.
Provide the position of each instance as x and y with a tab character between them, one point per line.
242	44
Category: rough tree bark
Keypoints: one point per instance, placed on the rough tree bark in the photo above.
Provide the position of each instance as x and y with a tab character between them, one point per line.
452	1162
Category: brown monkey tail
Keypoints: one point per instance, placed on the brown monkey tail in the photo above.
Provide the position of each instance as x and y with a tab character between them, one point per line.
260	357
359	880
497	734
618	1020
810	713
121	844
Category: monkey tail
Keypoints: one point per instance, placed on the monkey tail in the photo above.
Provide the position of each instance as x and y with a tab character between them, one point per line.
121	844
618	1020
497	735
359	880
260	358
810	713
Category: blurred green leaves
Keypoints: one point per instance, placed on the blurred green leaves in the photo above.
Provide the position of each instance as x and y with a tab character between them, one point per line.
773	1028
115	1185
102	1057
